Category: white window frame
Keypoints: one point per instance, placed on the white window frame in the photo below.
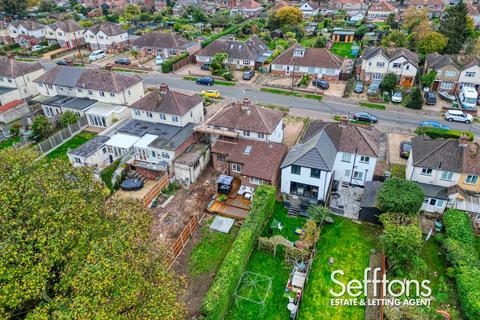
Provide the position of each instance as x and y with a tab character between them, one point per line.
426	172
346	157
236	167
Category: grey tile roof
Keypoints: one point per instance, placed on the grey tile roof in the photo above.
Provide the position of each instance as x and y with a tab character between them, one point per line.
163	40
370	191
11	68
110	29
436	61
90	147
391	54
250	49
66	26
28	24
437	154
433	191
313	57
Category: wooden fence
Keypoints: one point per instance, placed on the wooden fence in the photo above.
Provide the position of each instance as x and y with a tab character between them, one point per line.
155	191
182	63
63	135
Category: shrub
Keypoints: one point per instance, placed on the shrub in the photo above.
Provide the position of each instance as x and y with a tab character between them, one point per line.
468	286
389	82
416	100
437	133
458	227
41	128
67	118
349	88
219	295
400	195
228	76
304	81
167	65
107	174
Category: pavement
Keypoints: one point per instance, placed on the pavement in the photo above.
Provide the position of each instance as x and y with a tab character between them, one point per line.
395	116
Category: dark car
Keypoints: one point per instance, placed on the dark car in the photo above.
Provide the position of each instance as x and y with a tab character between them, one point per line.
365	116
205	66
405	148
358	87
430	97
205	81
373	88
322	84
123	61
248	75
62	63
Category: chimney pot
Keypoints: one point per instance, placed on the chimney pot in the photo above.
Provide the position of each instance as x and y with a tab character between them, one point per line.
108	67
163	87
463	140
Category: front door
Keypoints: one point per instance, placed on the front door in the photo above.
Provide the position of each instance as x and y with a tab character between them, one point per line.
287	71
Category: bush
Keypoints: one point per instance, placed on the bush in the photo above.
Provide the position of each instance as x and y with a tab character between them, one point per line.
41	128
468	286
219	296
67	118
228	76
167	65
349	88
400	195
437	133
304	81
221	34
416	100
107	174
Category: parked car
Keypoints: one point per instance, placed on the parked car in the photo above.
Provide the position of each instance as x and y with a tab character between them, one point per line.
433	124
322	84
205	66
405	148
397	96
358	87
210	93
248	75
205	81
62	63
365	116
37	47
123	61
459	116
373	88
430	98
96	55
158	60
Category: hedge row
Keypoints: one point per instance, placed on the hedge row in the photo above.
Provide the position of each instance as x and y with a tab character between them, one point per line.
167	65
436	133
462	254
221	34
219	296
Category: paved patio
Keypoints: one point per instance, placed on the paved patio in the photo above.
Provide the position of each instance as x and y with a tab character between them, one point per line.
346	201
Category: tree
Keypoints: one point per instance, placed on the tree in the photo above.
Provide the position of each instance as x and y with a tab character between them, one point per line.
389	82
395	38
134	53
432	42
416	99
67	118
414	17
67	253
391	21
360	32
41	128
454	27
400	195
402	240
320	42
318	214
86	23
288	16
428	79
46	6
132	12
13	7
196	12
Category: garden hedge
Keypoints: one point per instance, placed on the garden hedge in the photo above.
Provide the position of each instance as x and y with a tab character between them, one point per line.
167	65
436	133
460	245
221	34
400	195
220	294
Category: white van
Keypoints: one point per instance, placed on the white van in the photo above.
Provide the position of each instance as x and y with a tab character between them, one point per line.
96	55
468	97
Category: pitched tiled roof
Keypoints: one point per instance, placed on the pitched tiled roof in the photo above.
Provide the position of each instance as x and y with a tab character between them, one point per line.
167	40
425	2
437	154
245	115
66	26
313	4
391	54
10	68
436	61
27	24
313	57
171	102
248	4
381	6
261	162
250	49
95	79
110	29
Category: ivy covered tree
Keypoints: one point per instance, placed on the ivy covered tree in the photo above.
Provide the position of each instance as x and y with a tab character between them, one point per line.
455	27
69	254
400	195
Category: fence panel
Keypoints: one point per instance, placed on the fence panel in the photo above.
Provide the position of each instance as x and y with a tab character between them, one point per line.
60	137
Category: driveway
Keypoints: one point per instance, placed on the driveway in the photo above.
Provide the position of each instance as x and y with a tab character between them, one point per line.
394	140
192	69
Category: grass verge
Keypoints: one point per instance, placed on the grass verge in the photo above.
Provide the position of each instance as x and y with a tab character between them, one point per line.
61	152
349	244
128	70
292	93
372	105
219	82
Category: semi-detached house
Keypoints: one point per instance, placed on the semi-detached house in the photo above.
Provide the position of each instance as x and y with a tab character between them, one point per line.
68	34
28	29
107	36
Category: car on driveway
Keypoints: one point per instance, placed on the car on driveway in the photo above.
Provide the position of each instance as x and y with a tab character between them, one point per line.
430	98
248	75
123	61
358	87
210	93
365	116
62	63
205	66
37	47
397	96
322	84
207	81
459	116
373	88
433	124
405	148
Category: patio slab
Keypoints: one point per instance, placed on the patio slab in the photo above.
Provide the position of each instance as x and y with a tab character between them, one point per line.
346	201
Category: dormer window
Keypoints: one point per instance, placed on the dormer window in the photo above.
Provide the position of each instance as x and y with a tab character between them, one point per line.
298	53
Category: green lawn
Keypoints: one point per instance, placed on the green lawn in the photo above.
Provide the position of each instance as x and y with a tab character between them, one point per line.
9	142
208	254
398	170
349	244
61	152
342	49
292	93
307	42
372	105
289	223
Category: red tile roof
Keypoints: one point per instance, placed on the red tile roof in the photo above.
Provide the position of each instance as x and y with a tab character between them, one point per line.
11	105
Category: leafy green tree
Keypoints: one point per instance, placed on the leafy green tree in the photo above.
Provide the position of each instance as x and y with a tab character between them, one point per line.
132	12
320	42
454	27
134	53
432	42
13	7
41	128
416	99
389	82
86	23
395	38
428	79
67	118
400	195
391	21
46	6
196	12
360	32
318	214
288	16
402	240
69	254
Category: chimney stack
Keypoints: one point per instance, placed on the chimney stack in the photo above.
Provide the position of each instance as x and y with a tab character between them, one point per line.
108	67
10	55
463	140
246	105
344	120
163	87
